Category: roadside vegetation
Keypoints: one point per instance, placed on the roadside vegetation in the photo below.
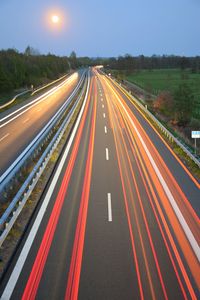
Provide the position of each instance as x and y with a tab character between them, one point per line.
21	71
166	83
169	85
12	241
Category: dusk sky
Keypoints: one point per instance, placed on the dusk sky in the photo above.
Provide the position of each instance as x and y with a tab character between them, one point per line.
102	28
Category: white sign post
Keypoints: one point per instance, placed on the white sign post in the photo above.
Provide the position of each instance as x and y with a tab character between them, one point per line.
195	136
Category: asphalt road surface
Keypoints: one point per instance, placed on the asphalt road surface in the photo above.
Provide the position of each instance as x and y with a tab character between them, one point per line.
120	218
20	127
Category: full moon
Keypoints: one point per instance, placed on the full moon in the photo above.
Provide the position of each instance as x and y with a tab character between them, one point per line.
55	19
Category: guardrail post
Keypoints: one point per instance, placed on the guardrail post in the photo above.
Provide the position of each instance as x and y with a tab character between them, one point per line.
171	136
26	166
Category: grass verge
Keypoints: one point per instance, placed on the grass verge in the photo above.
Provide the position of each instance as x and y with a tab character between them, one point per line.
188	162
10	245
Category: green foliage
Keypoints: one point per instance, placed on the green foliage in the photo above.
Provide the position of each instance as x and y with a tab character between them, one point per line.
183	99
165	79
73	60
142	62
195	124
169	80
164	103
19	70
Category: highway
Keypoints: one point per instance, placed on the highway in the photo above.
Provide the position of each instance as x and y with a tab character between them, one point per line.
19	126
119	218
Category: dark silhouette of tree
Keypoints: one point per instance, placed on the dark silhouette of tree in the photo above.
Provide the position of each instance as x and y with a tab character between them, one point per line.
19	70
27	51
128	62
73	60
184	63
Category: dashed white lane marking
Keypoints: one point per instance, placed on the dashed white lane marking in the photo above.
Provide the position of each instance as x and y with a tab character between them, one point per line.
7	293
101	99
104	115
105	128
102	106
109	208
4	137
25	121
185	226
107	154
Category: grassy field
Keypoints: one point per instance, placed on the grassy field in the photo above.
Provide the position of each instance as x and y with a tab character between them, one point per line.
156	81
167	79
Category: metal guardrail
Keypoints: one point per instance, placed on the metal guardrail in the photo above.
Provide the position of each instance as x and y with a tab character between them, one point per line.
14	168
140	89
33	92
11	101
12	212
196	159
47	85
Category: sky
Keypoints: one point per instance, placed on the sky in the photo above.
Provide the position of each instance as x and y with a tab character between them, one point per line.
102	28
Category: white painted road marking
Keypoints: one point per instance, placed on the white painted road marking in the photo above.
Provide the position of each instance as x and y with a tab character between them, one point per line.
2	177
186	228
34	102
102	99
109	208
105	128
102	106
107	154
25	121
5	136
30	239
104	115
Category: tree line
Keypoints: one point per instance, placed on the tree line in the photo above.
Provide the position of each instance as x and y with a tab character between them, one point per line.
182	105
21	70
131	63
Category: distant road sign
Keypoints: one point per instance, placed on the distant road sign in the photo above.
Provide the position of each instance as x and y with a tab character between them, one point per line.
195	134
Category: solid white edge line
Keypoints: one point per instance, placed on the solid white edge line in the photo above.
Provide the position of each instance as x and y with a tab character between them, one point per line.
107	154
109	208
28	104
7	293
172	201
34	102
5	136
2	177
